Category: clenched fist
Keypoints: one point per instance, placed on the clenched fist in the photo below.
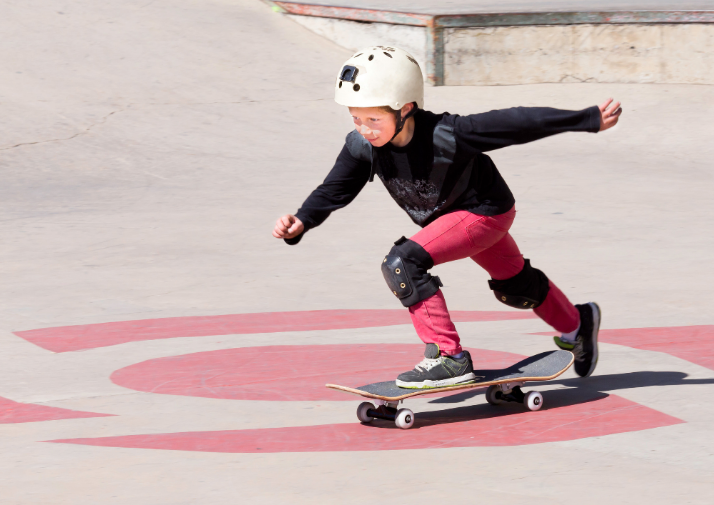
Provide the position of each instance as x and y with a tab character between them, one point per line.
288	226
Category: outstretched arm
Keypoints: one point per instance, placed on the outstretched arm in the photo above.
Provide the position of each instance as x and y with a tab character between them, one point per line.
519	125
342	185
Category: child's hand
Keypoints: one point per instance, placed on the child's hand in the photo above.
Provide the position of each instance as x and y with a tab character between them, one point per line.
288	226
609	114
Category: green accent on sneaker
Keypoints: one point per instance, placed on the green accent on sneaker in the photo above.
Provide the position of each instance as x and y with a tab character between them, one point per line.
437	371
564	344
452	366
439	387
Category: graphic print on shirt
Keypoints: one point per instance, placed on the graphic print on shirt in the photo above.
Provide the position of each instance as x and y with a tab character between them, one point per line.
418	198
420	192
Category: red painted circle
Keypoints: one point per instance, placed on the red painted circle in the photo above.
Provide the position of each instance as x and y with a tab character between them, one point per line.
283	373
567	418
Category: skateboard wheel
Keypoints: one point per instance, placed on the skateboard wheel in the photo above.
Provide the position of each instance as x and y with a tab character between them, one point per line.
362	412
404	419
533	400
491	395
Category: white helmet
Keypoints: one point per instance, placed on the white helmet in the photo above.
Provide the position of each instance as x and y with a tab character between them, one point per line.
379	76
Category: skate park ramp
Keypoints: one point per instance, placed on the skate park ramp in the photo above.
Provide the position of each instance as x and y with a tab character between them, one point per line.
159	346
527	6
526	42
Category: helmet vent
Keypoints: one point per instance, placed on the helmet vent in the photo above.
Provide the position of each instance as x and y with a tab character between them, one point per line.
355	87
339	85
387	54
371	57
413	60
356	55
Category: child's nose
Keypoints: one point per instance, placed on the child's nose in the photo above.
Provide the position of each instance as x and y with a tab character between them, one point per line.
364	130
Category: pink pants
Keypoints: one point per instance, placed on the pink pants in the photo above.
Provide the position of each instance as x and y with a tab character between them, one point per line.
484	239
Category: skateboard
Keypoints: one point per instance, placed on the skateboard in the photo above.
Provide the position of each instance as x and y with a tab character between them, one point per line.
503	386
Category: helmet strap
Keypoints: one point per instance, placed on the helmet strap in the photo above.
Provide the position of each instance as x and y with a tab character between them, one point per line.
401	121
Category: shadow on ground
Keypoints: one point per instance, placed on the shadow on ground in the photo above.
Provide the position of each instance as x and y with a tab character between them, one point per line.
579	391
597	384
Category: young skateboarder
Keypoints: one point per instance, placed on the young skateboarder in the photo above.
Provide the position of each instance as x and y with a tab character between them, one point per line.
434	167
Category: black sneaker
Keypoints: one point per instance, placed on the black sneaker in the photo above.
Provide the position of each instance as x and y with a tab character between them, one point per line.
585	346
436	371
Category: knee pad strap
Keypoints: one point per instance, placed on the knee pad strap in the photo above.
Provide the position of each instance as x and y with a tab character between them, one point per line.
405	270
526	290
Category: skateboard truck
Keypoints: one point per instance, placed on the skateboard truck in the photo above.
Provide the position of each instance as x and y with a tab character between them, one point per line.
384	410
403	418
511	392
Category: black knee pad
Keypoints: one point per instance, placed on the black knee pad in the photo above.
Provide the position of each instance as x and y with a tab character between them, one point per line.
405	269
525	290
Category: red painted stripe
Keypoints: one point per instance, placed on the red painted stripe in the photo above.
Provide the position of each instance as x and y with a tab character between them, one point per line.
690	343
284	373
91	336
12	412
372	15
477	426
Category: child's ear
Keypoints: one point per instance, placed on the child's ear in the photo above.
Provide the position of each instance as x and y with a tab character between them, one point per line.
407	109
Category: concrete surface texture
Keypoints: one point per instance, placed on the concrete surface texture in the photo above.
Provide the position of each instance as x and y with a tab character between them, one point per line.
483	6
147	149
666	53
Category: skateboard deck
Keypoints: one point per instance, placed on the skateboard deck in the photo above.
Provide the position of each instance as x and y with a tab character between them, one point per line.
541	367
504	385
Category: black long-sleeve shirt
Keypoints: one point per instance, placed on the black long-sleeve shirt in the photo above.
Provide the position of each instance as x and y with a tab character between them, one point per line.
488	194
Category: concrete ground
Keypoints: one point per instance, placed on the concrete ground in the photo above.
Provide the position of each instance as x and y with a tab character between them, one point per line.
146	149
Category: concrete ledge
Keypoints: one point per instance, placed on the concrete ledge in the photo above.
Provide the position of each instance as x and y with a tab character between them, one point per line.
531	47
669	53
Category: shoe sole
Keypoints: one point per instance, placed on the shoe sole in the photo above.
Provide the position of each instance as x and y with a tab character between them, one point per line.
453	381
597	316
563	344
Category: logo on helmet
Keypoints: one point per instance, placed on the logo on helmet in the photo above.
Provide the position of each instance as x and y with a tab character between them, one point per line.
349	73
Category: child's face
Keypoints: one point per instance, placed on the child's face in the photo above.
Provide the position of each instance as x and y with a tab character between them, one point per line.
374	124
